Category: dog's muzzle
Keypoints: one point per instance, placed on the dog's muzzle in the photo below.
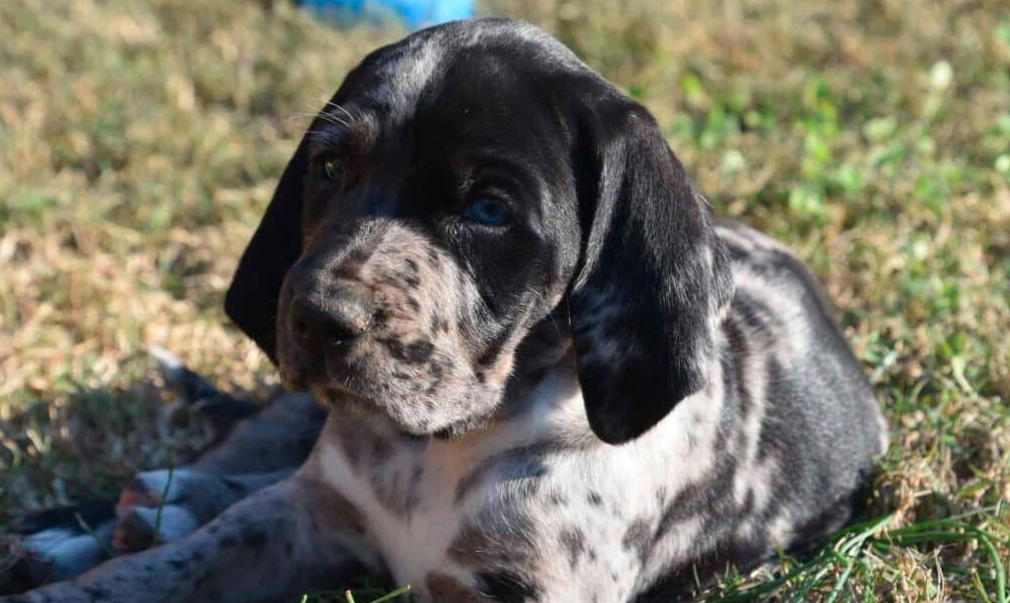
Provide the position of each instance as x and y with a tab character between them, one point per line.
327	315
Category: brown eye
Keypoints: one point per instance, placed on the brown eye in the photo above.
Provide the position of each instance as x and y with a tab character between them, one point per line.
333	169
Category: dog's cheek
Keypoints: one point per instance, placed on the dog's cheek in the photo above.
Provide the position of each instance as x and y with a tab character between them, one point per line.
416	345
290	360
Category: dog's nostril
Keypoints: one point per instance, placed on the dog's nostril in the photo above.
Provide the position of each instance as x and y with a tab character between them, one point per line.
337	319
335	334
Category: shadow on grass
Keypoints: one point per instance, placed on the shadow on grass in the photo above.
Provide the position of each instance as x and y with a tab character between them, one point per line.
88	443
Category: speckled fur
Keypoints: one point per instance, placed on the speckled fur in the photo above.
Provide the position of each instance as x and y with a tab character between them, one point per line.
649	397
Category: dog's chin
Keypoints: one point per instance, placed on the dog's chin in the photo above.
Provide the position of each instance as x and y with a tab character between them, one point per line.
357	398
337	397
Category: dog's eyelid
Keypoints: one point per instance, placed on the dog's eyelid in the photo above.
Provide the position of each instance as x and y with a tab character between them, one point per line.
494	187
320	155
327	140
492	193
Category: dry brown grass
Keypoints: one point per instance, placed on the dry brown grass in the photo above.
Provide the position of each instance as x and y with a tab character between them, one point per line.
140	142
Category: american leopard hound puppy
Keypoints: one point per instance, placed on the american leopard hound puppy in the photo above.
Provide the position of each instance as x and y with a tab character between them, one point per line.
550	375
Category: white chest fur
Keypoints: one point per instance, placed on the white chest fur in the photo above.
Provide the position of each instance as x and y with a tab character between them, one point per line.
537	484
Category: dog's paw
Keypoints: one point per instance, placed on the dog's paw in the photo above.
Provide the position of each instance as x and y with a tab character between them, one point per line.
58	544
143	527
160	506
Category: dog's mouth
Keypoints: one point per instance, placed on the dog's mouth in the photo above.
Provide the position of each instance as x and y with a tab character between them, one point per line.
319	381
332	394
340	388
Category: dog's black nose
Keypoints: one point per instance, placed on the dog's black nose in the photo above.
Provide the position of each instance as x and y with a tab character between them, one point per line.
328	321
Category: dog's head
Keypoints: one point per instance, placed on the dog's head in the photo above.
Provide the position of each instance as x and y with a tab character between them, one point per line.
464	186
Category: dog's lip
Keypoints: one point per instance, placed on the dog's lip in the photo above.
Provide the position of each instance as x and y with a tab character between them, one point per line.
336	386
325	378
292	381
302	378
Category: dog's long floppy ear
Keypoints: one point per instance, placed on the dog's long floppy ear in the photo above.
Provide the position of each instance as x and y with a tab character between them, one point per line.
251	301
653	276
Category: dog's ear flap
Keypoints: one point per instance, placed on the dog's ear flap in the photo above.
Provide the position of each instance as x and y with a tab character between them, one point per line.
251	301
653	278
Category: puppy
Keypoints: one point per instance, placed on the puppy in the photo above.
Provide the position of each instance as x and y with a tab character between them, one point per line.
550	375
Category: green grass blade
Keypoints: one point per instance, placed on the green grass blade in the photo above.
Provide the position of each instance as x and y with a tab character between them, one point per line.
161	501
395	593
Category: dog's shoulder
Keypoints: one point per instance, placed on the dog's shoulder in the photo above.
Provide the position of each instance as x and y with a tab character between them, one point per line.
780	337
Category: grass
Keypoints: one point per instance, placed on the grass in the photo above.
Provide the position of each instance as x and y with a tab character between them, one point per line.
139	143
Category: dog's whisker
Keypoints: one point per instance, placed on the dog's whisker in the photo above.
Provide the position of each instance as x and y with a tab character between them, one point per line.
321	115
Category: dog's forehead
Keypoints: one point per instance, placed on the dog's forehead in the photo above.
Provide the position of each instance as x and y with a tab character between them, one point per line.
450	60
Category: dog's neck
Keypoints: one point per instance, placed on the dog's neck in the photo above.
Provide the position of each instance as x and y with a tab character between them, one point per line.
543	407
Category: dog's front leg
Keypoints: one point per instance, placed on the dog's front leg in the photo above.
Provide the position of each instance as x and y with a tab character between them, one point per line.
291	537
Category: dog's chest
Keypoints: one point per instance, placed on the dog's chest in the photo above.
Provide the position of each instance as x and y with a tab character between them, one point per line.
422	503
461	520
404	495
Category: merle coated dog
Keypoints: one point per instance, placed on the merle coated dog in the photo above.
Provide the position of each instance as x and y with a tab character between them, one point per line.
550	375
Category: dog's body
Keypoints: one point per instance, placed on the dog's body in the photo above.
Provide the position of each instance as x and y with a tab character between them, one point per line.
585	391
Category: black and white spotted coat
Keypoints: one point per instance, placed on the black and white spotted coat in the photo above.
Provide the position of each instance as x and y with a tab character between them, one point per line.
551	376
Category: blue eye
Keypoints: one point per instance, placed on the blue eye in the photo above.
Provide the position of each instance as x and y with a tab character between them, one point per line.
488	211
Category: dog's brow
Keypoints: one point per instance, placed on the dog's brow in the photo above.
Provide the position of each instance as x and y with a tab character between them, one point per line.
345	132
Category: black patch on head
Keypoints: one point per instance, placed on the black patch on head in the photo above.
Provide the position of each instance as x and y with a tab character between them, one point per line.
594	498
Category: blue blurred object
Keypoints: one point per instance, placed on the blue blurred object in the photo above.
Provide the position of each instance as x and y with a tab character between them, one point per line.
413	13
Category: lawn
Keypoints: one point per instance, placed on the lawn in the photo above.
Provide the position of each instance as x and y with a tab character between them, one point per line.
140	141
